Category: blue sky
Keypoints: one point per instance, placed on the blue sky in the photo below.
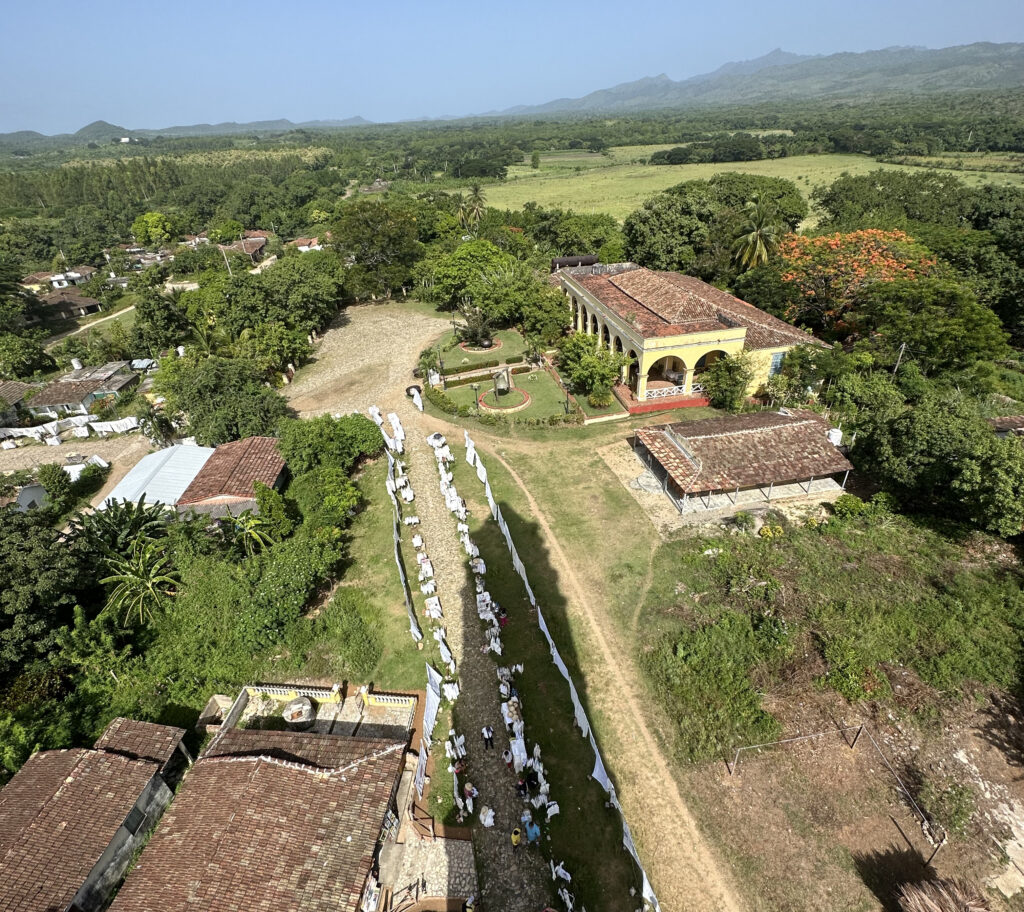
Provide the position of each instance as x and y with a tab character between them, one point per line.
154	65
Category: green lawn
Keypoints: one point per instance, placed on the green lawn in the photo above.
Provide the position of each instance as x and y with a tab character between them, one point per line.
546	397
512	346
617	185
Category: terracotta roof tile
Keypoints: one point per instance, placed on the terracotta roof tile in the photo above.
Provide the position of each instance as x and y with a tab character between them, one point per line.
233	470
65	392
273	821
13	391
141	740
721	454
672	304
57	817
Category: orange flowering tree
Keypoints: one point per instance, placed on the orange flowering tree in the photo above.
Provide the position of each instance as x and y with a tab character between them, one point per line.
829	271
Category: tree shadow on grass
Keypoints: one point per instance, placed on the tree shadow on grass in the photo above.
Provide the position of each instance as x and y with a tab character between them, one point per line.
886	870
587	834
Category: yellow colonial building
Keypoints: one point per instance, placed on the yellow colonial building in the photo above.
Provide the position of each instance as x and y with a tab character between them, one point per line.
672	327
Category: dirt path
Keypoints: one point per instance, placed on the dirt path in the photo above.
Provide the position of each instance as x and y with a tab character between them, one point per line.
683	870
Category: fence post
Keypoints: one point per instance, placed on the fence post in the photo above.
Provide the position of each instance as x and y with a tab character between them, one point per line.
735	760
856	736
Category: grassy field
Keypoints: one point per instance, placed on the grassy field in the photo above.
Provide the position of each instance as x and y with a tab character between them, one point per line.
616	184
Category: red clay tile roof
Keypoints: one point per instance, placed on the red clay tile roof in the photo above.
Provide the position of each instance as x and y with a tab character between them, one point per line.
248	831
671	304
720	454
35	278
246	245
57	817
233	469
141	740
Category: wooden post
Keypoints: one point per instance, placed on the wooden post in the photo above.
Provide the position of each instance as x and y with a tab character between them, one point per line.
770	486
731	767
856	736
847	475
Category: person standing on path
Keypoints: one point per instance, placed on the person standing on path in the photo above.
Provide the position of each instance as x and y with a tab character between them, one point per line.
488	734
517	837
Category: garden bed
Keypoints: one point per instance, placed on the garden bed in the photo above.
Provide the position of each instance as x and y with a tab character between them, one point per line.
514	400
508	344
546	398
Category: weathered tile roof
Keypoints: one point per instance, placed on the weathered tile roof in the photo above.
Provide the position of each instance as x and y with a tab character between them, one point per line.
672	304
65	392
249	245
721	454
68	296
269	822
141	740
233	470
57	817
13	391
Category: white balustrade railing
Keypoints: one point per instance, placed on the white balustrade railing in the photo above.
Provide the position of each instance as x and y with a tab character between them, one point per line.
664	392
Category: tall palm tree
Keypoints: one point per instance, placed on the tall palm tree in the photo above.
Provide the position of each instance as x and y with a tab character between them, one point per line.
462	213
251	532
143	581
476	203
759	233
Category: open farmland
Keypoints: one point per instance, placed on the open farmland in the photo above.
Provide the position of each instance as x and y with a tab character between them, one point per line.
617	184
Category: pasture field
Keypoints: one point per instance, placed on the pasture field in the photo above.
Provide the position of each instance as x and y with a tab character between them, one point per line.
615	183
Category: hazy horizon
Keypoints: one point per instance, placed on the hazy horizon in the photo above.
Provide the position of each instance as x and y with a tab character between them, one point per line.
148	68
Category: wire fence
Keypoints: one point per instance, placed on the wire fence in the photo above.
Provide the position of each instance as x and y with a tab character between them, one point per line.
936	835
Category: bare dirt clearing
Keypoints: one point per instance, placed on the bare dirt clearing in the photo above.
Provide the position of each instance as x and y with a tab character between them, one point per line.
366	358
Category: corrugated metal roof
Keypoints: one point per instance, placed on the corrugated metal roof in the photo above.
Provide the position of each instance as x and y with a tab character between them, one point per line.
162	476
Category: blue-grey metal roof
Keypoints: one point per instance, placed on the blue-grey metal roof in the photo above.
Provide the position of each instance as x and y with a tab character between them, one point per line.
162	476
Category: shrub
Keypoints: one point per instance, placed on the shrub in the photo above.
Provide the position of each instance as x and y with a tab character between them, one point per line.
353	634
743	520
600	396
275	511
325	496
850	674
438	398
462	368
57	484
847	506
949	804
326	441
514	359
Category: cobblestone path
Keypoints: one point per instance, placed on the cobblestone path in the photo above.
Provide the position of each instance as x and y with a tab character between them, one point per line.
519	881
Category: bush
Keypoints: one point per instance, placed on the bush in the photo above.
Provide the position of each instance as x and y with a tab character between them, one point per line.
325	441
743	520
600	396
353	634
462	368
438	398
57	485
515	359
947	803
847	506
275	511
325	496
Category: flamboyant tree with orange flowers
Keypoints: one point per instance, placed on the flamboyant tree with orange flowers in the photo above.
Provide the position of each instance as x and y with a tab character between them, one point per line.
830	271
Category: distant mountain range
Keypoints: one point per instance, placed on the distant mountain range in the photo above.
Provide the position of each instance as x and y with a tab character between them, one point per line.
102	132
781	76
776	77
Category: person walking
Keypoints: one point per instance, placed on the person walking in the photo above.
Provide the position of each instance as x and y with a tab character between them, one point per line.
488	734
517	837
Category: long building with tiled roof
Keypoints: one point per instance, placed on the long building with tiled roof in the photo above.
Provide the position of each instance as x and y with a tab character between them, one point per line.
226	482
738	452
672	326
70	821
275	821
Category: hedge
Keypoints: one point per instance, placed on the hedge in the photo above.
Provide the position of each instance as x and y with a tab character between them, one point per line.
515	359
460	369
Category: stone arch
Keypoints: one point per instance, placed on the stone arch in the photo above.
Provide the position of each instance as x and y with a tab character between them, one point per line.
606	337
708	358
657	371
584	323
632	370
593	324
617	345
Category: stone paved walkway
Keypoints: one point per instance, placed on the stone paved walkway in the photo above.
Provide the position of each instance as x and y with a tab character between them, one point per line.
520	881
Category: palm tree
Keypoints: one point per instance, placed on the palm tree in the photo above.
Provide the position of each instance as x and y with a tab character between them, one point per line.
250	532
758	236
115	530
142	581
476	203
942	896
462	213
